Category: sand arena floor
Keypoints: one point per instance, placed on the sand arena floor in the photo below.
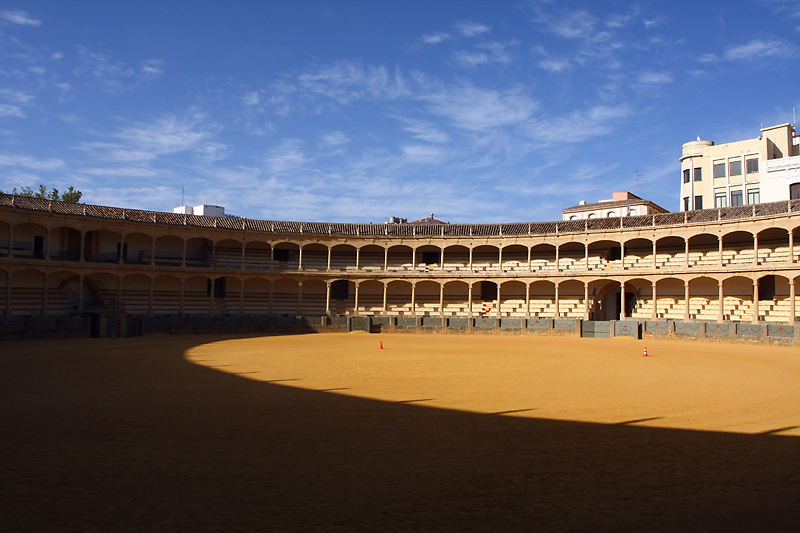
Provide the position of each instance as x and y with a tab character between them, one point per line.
432	432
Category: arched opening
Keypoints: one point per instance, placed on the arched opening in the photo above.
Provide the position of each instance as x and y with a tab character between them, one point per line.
198	252
287	256
135	294
343	297
370	298
137	248
257	256
773	295
542	299
485	258
101	246
737	301
371	257
737	248
398	298
703	299
27	293
29	241
670	299
639	299
455	258
227	255
456	298
314	296
101	288
671	252
400	258
315	258
638	254
257	296
572	256
543	258
605	255
512	298
773	246
703	250
168	252
284	293
515	258
609	303
233	293
167	295
343	257
427	298
428	257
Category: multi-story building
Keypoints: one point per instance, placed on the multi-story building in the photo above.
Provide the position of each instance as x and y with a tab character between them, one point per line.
621	204
764	169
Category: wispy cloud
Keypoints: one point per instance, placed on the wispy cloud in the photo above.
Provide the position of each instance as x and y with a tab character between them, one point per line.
346	81
17	16
425	131
758	49
113	75
578	126
335	138
490	52
9	110
30	162
435	38
478	109
471	29
286	156
167	135
654	78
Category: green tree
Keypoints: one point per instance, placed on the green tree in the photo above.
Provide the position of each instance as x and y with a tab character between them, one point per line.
70	196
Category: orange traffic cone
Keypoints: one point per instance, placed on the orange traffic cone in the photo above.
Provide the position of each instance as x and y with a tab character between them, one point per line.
381	345
645	351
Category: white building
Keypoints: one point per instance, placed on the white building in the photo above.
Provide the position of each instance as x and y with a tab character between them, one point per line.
201	210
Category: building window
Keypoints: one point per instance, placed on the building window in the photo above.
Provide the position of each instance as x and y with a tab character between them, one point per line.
573	217
721	200
719	170
736	168
698	174
753	196
592	215
686	175
611	214
632	212
752	166
698	202
794	191
686	204
736	198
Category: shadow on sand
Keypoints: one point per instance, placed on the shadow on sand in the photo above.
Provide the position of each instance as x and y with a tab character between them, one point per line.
126	435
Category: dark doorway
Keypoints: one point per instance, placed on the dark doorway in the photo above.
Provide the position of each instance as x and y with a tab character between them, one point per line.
340	289
766	288
431	258
220	287
488	291
38	247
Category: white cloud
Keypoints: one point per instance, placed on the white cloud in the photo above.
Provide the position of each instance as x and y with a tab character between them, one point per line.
435	38
251	98
347	81
473	108
471	29
555	64
707	58
424	154
575	25
8	110
17	16
30	162
578	126
654	78
426	131
758	49
285	157
167	135
335	138
125	172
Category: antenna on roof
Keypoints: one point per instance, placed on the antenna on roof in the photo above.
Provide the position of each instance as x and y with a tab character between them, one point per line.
638	180
183	190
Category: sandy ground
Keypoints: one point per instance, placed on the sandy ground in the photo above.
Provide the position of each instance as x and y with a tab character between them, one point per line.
432	432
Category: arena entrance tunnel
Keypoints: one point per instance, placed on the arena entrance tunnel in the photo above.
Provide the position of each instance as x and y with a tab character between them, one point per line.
109	434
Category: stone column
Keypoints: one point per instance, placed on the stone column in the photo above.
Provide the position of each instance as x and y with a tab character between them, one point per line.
470	261
244	247
469	297
586	256
528	295
300	258
121	258
330	251
183	254
558	253
300	298
792	298
755	249
686	259
7	306
358	258
47	245
271	298
413	299
241	296
721	312
441	300
655	256
499	301
385	259
622	257
328	296
271	259
385	294
556	313
355	301
153	252
82	258
500	261
586	300
655	301
791	247
755	301
719	261
413	258
686	300
622	313
529	259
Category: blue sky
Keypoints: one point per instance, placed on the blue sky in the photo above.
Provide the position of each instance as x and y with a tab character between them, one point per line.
354	111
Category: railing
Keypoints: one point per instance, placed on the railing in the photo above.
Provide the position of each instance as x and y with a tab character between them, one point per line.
405	230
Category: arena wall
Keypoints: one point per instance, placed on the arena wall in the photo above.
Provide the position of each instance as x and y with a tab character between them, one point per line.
736	265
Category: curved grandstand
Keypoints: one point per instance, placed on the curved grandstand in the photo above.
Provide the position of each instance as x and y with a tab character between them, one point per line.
733	264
